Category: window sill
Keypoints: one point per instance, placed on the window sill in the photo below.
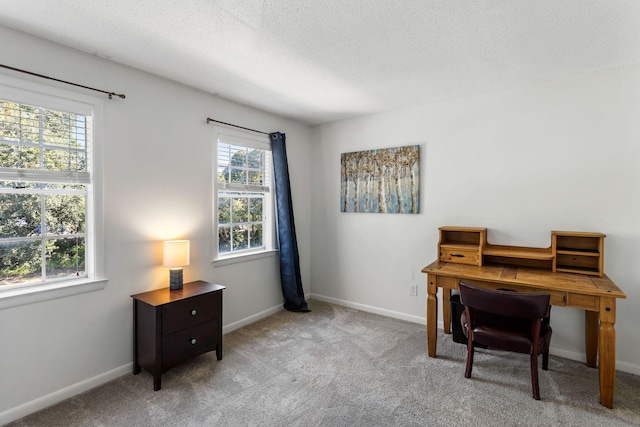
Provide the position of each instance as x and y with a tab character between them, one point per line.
234	259
45	292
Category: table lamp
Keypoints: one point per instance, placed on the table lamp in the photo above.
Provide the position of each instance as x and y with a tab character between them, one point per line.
176	255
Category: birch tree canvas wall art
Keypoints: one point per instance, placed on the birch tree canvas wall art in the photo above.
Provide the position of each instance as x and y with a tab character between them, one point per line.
381	181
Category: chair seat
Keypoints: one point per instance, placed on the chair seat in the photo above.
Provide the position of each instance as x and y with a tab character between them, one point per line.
505	336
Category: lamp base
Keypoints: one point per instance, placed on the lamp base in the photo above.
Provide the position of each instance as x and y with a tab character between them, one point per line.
175	279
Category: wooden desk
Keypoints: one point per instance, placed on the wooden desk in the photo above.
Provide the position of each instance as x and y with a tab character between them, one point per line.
595	295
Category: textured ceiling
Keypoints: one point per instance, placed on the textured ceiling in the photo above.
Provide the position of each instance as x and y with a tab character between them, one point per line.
324	60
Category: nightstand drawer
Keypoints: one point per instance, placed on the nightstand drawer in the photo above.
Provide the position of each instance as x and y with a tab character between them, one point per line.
189	312
184	345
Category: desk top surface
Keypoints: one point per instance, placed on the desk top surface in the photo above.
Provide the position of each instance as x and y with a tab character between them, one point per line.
534	277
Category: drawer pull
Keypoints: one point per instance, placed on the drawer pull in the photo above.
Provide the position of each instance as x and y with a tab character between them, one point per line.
193	340
458	255
193	312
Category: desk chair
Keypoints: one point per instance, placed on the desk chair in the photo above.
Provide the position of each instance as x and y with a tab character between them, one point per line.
506	320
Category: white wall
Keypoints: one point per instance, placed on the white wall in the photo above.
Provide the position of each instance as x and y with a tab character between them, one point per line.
557	156
157	160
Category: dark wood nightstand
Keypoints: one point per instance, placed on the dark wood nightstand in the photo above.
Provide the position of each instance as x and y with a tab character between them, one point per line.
170	327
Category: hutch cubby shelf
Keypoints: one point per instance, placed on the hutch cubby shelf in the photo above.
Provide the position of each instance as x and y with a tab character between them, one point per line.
581	253
570	251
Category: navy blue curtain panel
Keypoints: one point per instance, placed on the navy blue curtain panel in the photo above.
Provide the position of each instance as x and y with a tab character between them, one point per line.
287	243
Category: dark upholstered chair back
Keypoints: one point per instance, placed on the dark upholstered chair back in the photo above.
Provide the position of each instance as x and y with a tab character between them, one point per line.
505	303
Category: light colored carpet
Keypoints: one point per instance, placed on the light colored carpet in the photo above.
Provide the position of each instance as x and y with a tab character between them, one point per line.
337	366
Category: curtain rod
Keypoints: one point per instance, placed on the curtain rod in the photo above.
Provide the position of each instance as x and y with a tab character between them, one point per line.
236	126
120	95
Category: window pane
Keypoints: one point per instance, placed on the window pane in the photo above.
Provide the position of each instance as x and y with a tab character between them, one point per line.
240	237
65	160
255	236
224	210
20	214
65	257
240	209
65	214
20	262
13	156
64	129
255	159
238	165
10	124
255	209
239	156
56	160
223	162
28	158
255	178
8	154
238	176
79	131
30	129
224	239
55	128
29	124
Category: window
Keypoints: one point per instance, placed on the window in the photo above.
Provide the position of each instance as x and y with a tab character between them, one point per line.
243	192
47	230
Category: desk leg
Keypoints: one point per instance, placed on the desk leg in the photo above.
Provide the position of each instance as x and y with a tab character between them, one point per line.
591	324
446	309
607	349
432	314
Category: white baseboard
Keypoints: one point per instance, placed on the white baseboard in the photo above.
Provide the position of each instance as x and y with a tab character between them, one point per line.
248	320
371	309
630	368
62	394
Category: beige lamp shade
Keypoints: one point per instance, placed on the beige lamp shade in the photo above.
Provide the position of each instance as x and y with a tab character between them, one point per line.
176	253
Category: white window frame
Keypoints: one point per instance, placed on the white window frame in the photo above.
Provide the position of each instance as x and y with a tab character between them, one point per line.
250	140
58	99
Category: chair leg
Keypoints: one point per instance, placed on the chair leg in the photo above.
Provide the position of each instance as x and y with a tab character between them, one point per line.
545	359
534	376
467	372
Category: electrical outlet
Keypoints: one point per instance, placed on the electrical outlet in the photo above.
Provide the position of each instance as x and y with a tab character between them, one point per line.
413	289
